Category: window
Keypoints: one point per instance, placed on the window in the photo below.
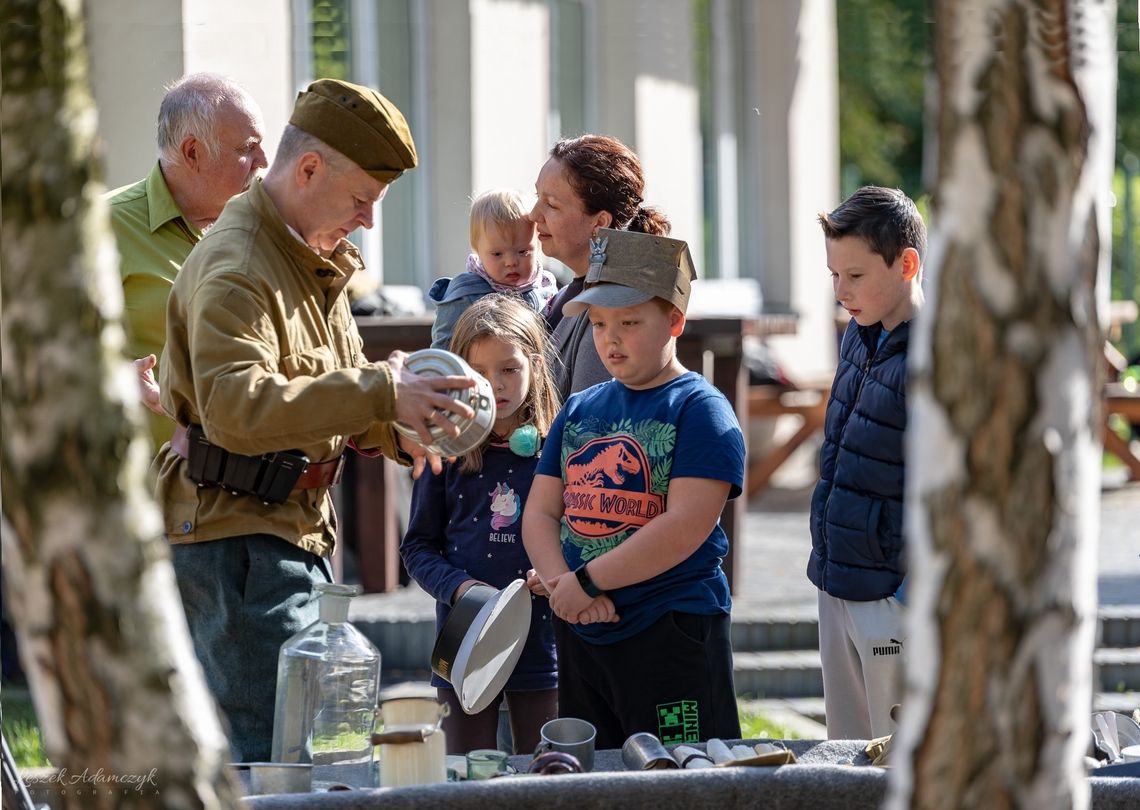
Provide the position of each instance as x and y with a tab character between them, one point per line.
369	42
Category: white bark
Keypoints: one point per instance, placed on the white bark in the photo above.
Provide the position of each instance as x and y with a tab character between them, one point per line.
1003	442
87	573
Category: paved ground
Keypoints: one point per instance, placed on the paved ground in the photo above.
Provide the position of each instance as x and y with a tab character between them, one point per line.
776	546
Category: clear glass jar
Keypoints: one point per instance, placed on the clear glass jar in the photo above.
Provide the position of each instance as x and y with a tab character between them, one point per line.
327	680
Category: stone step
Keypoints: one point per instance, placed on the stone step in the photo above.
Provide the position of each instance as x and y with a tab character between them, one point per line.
1118	669
767	629
1119	626
1122	702
763	630
776	650
405	637
778	674
805	716
797	673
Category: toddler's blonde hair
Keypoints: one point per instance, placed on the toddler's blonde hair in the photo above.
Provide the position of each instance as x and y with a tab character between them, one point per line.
500	207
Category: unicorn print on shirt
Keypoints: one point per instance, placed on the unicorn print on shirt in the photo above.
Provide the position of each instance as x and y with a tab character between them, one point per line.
504	507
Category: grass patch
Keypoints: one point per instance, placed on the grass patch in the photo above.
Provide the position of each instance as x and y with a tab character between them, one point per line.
755	726
22	728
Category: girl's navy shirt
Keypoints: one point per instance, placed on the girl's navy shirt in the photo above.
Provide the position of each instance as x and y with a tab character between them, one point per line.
469	526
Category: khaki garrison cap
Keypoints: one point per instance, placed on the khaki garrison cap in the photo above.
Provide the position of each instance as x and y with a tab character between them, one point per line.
628	268
359	123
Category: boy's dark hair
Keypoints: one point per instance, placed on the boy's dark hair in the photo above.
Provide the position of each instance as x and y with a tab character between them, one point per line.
885	218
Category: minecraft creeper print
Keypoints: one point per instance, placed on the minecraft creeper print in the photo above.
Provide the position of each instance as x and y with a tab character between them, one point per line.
678	722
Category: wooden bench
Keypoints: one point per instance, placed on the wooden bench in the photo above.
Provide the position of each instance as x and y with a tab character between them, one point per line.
808	402
1119	400
810	405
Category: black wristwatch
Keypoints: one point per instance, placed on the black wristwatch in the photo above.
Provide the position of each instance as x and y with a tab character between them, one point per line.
587	584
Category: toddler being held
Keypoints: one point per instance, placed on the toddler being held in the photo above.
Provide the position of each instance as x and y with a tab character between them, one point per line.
505	261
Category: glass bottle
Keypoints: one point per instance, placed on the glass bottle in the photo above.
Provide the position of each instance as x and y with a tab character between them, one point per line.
327	679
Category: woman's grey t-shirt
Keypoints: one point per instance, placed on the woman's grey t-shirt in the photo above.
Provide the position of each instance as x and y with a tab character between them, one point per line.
578	365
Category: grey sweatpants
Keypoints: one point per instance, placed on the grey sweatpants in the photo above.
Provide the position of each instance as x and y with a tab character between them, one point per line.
861	650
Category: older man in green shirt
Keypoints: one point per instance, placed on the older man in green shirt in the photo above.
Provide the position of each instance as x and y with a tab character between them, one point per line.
209	149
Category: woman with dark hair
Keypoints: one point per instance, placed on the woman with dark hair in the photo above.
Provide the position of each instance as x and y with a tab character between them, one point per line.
589	182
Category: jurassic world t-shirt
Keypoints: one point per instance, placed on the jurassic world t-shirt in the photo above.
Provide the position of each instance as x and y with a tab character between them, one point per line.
616	449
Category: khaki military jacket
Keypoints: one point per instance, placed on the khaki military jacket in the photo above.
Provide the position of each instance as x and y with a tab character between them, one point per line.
263	352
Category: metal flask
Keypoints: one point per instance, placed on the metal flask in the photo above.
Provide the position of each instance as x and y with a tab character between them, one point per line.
472	432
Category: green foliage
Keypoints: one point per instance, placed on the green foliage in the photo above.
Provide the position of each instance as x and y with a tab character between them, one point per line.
331	40
755	726
1125	277
1127	80
22	729
882	63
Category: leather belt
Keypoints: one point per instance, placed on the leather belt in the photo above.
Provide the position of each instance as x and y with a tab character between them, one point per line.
315	475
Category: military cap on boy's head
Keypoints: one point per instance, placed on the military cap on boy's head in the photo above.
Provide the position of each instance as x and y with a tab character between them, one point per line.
359	123
628	268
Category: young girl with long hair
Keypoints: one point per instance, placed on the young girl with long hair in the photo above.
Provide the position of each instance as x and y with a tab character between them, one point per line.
465	525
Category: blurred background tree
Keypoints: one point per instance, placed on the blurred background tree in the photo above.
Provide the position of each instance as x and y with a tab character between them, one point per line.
331	39
884	47
1126	214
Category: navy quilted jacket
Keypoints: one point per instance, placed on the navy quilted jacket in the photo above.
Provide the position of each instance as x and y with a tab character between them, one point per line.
857	506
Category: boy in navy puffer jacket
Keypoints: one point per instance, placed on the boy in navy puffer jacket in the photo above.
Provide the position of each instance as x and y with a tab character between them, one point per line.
875	244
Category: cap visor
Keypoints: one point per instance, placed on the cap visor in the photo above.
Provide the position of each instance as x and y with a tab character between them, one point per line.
605	294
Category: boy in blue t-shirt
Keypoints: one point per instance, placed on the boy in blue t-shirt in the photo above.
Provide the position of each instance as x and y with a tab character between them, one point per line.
622	523
875	243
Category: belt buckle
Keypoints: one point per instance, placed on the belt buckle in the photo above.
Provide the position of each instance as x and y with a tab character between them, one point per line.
339	469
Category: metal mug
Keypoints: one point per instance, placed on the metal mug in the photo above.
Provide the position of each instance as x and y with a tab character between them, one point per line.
644	752
472	432
570	736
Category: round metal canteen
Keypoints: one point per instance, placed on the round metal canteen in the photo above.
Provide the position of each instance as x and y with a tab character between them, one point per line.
472	432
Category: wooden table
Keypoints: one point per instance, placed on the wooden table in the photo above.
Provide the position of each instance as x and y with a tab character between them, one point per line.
711	345
1120	400
808	401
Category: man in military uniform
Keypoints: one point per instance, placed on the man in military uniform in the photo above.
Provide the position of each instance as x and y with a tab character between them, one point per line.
263	362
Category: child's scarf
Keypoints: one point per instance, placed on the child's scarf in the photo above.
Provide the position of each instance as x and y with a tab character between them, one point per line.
536	279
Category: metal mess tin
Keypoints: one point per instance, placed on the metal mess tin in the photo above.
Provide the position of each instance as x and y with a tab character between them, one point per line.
472	432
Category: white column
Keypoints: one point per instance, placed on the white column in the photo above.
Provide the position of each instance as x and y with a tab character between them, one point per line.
510	93
139	48
136	48
647	88
790	170
250	41
445	143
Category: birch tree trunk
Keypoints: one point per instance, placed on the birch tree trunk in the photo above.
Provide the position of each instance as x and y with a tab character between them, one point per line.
120	696
1004	434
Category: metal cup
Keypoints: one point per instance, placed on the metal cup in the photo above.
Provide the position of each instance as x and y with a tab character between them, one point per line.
644	752
472	432
571	736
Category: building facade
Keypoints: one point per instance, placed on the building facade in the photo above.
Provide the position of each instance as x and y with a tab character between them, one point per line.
731	105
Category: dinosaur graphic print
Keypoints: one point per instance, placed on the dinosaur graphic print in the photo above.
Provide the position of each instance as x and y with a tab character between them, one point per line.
609	487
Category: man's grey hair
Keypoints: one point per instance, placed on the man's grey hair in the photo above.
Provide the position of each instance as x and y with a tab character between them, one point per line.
190	108
296	142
